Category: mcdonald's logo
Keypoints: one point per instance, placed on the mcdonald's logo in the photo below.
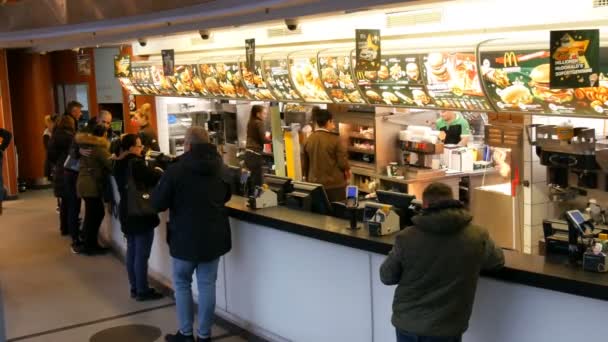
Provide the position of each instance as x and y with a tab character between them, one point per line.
510	59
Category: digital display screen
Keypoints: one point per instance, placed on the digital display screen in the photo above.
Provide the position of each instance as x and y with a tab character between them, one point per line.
577	216
351	192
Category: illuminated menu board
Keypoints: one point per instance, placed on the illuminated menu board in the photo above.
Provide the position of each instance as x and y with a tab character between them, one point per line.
338	79
161	83
305	77
518	81
398	81
128	86
142	80
276	73
254	82
186	81
224	80
453	82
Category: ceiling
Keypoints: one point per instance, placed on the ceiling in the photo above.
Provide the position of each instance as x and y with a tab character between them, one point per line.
64	24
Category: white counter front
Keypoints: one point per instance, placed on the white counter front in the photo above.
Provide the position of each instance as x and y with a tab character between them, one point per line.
287	287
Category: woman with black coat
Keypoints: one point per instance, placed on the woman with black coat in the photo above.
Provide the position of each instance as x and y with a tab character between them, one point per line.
139	231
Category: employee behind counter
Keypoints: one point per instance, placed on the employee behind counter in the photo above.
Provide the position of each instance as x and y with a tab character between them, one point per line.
324	158
455	129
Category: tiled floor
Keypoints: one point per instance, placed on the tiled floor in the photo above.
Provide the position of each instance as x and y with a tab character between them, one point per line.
49	294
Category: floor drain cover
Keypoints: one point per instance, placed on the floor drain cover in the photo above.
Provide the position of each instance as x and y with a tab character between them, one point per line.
128	333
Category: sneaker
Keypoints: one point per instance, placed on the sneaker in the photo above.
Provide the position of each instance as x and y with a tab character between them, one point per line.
178	337
151	294
133	294
201	339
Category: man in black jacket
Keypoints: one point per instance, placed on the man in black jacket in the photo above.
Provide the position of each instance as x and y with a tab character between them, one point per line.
5	140
199	233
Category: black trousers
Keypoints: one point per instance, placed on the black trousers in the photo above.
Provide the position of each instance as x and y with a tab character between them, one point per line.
93	217
70	207
255	162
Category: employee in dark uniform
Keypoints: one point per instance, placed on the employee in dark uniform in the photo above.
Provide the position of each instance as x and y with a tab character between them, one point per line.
256	138
146	133
324	158
455	129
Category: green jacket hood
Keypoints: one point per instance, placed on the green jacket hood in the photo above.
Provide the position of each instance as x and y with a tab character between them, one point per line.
446	217
91	140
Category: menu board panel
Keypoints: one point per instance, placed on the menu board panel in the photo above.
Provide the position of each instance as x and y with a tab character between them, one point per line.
142	80
161	83
128	86
276	73
224	80
338	79
399	81
255	84
518	81
186	81
305	77
452	80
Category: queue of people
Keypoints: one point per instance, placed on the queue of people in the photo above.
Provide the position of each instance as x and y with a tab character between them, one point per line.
435	290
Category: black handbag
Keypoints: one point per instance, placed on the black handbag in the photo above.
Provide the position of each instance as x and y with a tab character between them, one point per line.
139	202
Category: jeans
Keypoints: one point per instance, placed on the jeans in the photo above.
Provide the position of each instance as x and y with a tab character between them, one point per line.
206	275
138	253
70	203
93	217
407	337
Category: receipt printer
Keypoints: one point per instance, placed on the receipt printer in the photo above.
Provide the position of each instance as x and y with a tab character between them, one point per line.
380	219
263	198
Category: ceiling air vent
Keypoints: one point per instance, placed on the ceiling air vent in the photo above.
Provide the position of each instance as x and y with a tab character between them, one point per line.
282	32
412	18
600	3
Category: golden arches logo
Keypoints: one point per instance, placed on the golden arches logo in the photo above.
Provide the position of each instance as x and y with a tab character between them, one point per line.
510	60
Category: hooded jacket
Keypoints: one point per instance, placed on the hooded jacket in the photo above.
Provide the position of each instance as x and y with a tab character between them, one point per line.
435	265
57	152
195	194
145	178
95	168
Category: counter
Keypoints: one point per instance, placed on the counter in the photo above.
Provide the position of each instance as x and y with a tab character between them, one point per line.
297	276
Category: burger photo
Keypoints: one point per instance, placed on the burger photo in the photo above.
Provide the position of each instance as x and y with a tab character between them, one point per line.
437	66
412	71
541	88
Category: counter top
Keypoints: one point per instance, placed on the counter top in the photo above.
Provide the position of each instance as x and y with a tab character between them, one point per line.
450	174
551	273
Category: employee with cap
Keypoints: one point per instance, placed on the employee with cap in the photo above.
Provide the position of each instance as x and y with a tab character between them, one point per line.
454	128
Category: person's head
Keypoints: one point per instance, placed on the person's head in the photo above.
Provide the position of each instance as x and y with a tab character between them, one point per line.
131	143
195	135
65	123
143	115
49	122
323	118
435	193
99	131
74	109
104	119
448	115
259	112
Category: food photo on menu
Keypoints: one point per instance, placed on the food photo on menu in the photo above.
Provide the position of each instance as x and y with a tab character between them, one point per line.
338	81
254	83
453	81
307	81
277	74
520	80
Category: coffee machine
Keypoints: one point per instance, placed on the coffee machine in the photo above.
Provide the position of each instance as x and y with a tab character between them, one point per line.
421	149
565	149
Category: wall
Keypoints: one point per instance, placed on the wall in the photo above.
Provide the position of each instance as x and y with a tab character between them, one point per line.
107	86
31	87
8	167
65	71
